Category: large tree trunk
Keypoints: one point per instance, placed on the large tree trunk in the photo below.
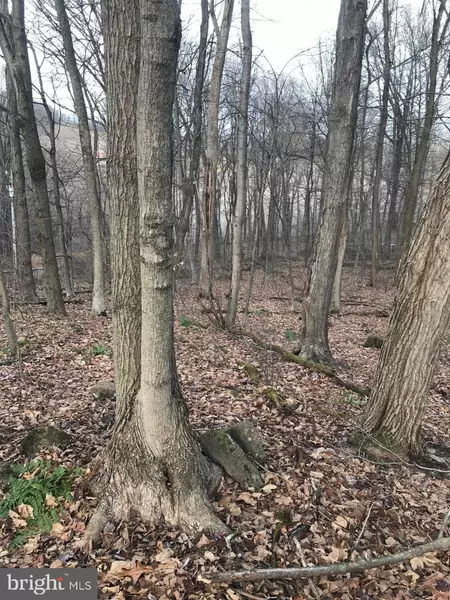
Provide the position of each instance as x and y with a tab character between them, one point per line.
418	323
336	179
154	467
90	174
15	50
242	167
208	205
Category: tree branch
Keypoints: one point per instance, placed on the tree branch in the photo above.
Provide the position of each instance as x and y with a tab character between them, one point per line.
327	570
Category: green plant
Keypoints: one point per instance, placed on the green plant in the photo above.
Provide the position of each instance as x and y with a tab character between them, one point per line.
101	351
184	322
290	335
41	486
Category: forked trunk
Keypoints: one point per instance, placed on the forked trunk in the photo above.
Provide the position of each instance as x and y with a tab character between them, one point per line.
154	468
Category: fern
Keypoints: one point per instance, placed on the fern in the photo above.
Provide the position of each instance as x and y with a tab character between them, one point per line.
30	484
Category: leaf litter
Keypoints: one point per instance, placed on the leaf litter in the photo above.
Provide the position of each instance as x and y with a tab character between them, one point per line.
322	501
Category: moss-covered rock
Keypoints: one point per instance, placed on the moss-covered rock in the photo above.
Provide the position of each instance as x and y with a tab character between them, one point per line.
44	437
275	397
104	390
220	447
249	439
252	372
374	341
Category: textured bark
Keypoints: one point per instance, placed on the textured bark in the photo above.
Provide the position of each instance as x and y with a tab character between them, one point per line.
336	298
15	51
154	467
21	236
208	204
336	179
242	167
419	320
7	320
98	293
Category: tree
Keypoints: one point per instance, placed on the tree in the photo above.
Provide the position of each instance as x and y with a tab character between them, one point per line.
13	43
242	167
98	294
419	320
153	466
336	178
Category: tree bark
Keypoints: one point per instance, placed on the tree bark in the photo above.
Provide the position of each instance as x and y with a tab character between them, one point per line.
90	174
154	467
336	179
419	320
7	320
208	205
242	167
15	51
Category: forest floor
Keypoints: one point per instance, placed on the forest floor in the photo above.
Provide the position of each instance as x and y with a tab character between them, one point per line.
319	489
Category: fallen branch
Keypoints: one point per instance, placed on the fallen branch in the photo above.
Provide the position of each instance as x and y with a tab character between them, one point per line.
289	356
327	570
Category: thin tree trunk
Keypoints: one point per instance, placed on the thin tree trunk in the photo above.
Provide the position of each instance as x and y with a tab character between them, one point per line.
336	180
208	205
90	174
419	320
7	320
15	51
380	148
242	166
336	298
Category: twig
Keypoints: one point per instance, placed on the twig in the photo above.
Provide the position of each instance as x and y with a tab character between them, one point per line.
363	528
444	525
327	570
299	551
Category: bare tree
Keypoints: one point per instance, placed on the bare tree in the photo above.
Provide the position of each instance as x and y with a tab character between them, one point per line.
336	179
154	467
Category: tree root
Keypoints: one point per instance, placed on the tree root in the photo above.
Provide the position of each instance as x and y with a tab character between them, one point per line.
327	570
289	356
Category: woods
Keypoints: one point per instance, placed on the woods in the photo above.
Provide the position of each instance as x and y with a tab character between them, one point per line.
225	282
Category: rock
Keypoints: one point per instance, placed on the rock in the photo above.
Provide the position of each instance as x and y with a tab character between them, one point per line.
44	437
249	439
252	373
374	341
220	447
104	390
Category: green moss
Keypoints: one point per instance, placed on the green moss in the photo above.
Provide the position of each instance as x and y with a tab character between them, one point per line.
252	372
275	397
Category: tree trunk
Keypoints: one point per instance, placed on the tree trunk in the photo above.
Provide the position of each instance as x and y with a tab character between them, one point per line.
154	467
190	186
7	320
98	295
15	51
418	323
336	179
412	189
336	298
208	205
242	167
380	148
22	238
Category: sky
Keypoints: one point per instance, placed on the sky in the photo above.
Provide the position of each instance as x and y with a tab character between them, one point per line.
281	28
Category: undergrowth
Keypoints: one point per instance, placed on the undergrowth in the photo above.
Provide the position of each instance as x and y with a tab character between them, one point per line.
42	487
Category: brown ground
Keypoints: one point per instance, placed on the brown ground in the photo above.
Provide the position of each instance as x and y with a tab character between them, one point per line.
350	507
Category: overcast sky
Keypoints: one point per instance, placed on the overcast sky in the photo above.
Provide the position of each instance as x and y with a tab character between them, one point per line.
282	28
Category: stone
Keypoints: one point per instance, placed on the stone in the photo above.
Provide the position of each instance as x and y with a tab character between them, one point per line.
249	439
104	390
220	447
374	341
44	437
